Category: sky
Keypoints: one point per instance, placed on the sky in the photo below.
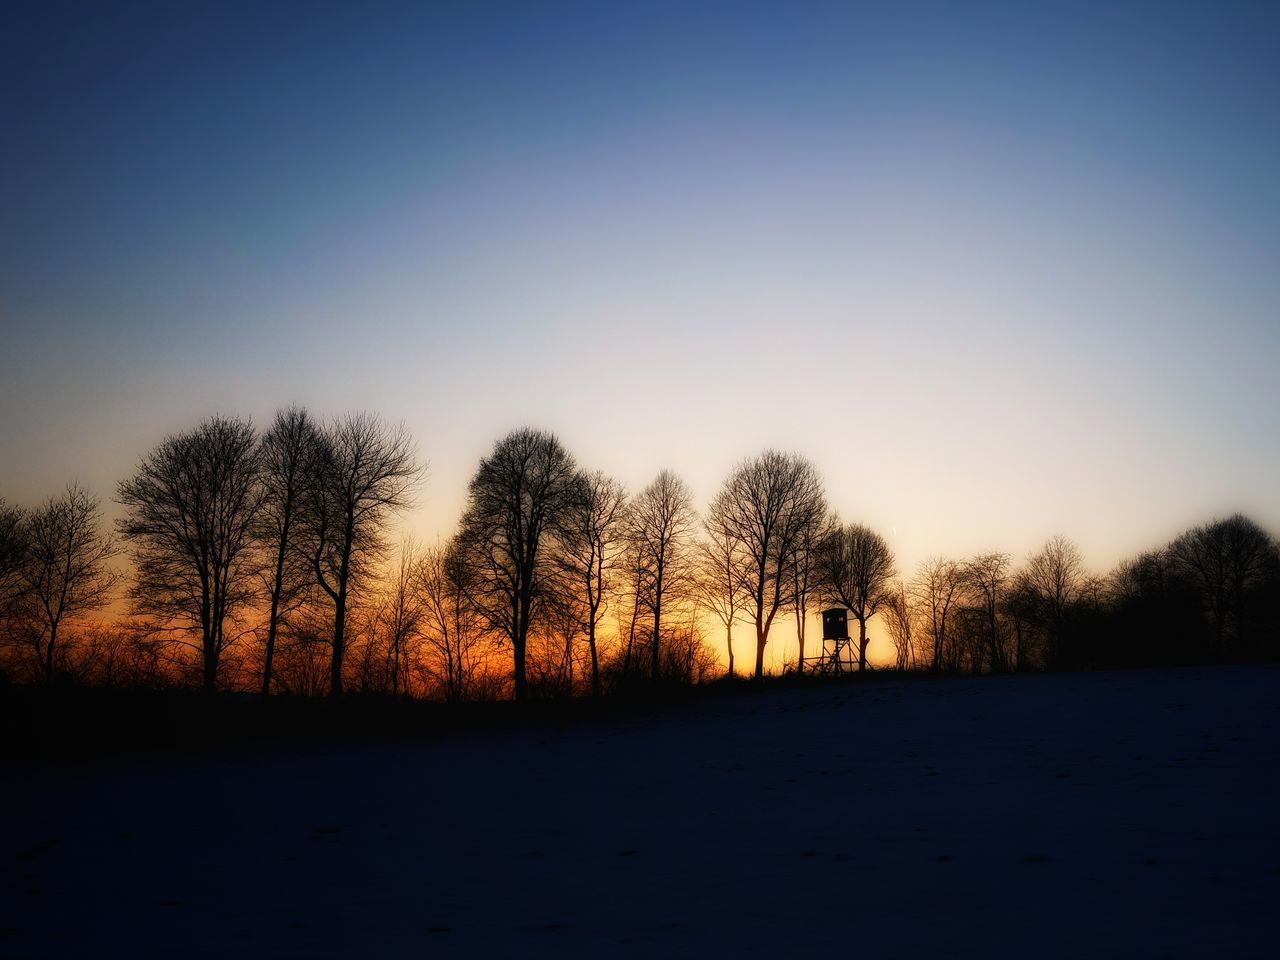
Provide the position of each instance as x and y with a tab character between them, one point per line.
1000	270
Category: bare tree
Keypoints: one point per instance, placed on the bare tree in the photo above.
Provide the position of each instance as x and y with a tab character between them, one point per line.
13	554
767	508
985	577
365	472
592	530
937	588
518	501
719	582
189	514
899	618
857	567
662	522
1056	572
402	614
1021	604
67	569
288	454
457	644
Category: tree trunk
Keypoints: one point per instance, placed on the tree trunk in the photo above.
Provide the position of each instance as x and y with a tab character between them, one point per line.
657	623
595	661
48	654
862	644
339	640
761	639
728	639
271	638
520	685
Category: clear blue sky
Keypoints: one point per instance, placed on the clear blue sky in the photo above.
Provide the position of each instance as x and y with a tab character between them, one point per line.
1002	270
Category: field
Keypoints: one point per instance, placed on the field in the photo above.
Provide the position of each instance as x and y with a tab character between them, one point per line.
1113	814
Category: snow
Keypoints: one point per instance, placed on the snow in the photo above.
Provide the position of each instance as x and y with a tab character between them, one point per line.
1044	816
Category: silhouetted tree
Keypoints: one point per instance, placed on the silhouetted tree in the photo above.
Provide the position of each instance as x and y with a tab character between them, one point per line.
517	504
856	569
13	554
719	582
189	513
768	508
365	471
401	615
289	458
457	647
985	577
1227	560
1056	572
899	619
937	587
592	530
66	572
661	525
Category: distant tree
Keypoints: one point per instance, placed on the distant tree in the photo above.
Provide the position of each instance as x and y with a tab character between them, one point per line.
452	627
1227	560
1056	572
1021	605
857	568
402	615
661	525
768	508
719	581
518	503
66	572
13	554
985	577
937	587
589	554
899	619
289	458
365	472
189	515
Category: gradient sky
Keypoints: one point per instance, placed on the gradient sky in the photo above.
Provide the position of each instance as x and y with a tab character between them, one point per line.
1001	271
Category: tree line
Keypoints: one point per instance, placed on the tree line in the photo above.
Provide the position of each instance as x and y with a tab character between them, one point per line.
264	561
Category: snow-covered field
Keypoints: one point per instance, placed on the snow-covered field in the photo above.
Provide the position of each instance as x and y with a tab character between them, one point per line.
1115	814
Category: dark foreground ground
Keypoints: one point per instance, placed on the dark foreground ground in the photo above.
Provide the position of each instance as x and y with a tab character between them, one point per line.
1114	814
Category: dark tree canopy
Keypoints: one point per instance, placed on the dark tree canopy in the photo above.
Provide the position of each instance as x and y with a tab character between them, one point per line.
364	472
768	511
66	572
289	455
518	503
189	514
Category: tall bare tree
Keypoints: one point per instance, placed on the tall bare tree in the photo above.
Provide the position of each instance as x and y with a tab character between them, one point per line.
517	506
985	576
458	647
1057	573
720	582
189	515
365	472
899	615
589	554
288	454
937	587
67	569
768	507
662	522
857	567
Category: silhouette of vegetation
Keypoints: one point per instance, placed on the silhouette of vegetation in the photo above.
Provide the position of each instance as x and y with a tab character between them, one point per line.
263	562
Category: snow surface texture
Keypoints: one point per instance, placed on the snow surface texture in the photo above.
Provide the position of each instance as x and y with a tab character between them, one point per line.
1116	814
